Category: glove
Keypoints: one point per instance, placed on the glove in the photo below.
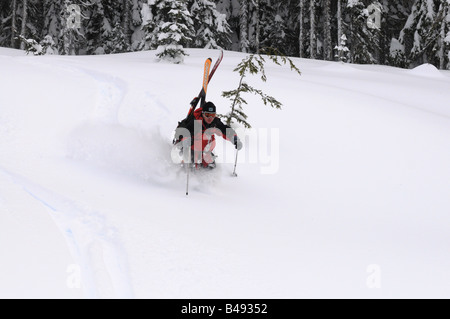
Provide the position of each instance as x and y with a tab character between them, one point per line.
179	147
178	144
182	145
194	102
237	143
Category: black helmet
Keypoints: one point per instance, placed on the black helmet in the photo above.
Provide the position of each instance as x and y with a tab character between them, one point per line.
209	107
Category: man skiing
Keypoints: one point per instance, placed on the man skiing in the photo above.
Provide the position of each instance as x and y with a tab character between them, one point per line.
198	131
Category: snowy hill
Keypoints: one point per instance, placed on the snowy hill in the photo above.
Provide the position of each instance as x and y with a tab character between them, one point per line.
345	193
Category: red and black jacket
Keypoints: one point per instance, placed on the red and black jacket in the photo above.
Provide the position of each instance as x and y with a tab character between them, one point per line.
208	131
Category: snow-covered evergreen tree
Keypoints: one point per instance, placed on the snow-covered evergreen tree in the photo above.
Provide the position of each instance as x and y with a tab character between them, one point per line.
173	29
274	29
104	28
150	23
397	55
97	28
327	49
35	19
137	25
312	29
443	44
395	15
243	24
72	29
342	50
212	30
23	29
340	31
420	34
63	21
45	47
48	46
301	29
365	37
257	23
5	27
20	18
412	31
288	11
116	40
53	21
13	23
231	11
126	22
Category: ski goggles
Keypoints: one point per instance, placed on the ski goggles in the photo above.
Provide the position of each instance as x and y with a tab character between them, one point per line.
210	115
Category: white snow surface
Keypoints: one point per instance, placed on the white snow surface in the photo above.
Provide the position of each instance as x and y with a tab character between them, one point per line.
345	193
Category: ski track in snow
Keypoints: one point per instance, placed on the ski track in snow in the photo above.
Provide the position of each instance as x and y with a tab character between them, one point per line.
113	137
112	91
94	244
132	149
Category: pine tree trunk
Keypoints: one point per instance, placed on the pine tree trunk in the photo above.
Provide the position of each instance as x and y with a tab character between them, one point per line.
243	17
312	30
350	35
327	31
442	37
24	23
339	21
68	38
235	99
126	21
258	29
13	24
300	36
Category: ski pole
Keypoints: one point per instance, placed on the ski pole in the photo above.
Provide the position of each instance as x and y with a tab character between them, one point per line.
235	163
187	163
187	180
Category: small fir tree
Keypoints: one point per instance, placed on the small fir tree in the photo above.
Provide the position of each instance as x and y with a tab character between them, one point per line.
253	64
342	50
46	47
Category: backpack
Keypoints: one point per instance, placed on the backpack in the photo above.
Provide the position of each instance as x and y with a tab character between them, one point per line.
182	124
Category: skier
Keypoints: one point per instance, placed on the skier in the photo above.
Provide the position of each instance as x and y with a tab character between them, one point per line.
198	132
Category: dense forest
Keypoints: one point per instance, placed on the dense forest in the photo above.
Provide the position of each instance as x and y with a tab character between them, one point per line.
403	33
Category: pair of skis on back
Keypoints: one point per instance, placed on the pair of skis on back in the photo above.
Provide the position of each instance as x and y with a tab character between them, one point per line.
208	73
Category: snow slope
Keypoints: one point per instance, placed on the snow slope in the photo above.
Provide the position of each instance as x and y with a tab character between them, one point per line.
345	193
